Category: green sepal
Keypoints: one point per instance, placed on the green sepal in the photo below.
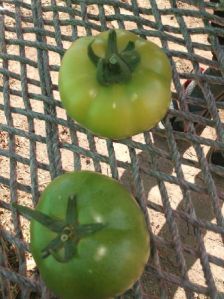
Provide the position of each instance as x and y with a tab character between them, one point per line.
69	232
115	67
71	211
93	57
55	244
53	224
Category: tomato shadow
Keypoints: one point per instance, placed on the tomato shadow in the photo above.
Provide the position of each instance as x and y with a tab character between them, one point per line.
160	228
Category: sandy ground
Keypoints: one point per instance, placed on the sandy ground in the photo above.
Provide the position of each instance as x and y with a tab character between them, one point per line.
202	203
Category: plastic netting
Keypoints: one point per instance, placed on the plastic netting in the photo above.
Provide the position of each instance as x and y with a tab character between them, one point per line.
169	170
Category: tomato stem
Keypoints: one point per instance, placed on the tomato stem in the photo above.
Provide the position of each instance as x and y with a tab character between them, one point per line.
115	67
69	231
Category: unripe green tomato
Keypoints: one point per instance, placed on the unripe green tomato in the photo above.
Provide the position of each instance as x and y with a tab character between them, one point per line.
101	264
115	84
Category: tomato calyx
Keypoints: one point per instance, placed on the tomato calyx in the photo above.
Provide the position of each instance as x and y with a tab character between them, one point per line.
115	67
69	231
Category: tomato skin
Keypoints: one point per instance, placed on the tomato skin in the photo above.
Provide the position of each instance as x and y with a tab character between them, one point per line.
119	110
107	262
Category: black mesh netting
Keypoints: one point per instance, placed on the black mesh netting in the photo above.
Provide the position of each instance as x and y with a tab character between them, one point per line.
175	170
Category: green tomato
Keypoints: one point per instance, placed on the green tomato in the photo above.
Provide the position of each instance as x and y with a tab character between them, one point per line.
88	237
116	84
